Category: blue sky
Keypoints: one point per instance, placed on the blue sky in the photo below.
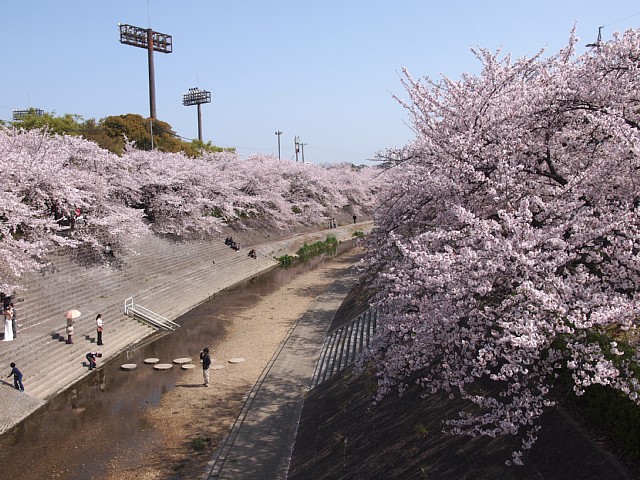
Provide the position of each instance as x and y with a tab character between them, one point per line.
323	71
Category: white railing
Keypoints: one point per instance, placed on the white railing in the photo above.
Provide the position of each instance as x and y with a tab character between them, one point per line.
147	316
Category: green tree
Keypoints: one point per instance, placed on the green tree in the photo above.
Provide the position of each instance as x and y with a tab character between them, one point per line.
197	148
92	130
69	124
112	132
136	128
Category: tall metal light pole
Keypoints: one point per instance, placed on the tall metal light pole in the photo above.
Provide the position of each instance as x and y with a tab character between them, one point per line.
278	133
19	114
195	96
147	38
296	142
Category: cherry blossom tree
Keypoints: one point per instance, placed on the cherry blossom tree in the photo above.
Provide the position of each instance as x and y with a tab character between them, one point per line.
66	192
507	248
56	192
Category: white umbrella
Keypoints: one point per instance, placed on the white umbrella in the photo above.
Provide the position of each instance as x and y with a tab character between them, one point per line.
72	314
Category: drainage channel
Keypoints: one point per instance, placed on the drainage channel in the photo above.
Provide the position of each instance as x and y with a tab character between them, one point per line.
77	433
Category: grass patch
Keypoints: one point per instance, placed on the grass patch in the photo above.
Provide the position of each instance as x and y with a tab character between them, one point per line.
199	444
285	260
307	251
421	430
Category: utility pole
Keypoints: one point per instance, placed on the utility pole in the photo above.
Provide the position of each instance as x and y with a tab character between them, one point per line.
598	42
296	141
278	133
302	145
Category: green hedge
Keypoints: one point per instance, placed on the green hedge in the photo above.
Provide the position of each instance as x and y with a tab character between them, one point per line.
309	251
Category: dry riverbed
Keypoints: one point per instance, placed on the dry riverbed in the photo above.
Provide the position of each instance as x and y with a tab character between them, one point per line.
191	415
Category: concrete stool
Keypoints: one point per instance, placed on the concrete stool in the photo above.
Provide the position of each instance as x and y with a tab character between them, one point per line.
162	366
180	361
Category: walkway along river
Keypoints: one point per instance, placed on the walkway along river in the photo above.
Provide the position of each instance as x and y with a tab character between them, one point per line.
76	434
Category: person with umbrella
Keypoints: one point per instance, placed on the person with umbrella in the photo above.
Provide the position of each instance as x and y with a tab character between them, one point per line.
71	315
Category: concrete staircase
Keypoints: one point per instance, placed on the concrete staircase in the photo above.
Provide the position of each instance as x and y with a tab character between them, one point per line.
343	345
168	277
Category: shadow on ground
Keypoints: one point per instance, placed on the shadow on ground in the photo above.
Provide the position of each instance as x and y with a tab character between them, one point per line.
342	436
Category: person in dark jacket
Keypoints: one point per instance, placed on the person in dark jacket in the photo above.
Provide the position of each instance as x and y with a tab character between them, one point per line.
6	300
206	363
17	377
91	358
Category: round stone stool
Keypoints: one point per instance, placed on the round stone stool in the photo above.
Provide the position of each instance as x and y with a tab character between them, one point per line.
129	366
188	366
163	366
236	360
180	361
150	361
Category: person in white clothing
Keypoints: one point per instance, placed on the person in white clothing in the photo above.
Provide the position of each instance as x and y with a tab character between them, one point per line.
99	328
8	324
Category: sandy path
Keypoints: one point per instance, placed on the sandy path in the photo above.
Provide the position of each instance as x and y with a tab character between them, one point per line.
190	411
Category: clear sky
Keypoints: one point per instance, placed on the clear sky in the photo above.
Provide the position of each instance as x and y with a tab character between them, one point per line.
323	71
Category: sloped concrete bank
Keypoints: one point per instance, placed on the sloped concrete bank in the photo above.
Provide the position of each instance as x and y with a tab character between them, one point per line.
165	276
342	436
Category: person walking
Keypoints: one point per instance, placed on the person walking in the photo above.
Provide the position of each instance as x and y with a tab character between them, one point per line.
99	327
17	377
206	363
354	218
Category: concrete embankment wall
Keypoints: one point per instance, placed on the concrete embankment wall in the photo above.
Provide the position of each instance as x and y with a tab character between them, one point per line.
168	277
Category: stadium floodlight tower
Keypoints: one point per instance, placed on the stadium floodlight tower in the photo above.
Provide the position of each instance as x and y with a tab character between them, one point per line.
195	96
19	114
147	38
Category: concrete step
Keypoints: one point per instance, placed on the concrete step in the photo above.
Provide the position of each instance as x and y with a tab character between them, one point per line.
68	363
343	345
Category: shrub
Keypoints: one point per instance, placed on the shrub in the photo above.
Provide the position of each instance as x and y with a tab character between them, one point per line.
199	443
285	260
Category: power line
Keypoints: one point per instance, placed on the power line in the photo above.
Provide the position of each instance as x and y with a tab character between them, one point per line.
621	20
330	150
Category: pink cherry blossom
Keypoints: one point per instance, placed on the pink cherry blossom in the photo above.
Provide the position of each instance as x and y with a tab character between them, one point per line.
508	236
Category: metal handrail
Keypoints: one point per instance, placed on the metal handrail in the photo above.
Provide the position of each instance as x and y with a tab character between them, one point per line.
130	308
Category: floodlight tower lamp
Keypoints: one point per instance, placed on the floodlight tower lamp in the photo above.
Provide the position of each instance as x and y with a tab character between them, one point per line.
19	114
148	39
195	96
